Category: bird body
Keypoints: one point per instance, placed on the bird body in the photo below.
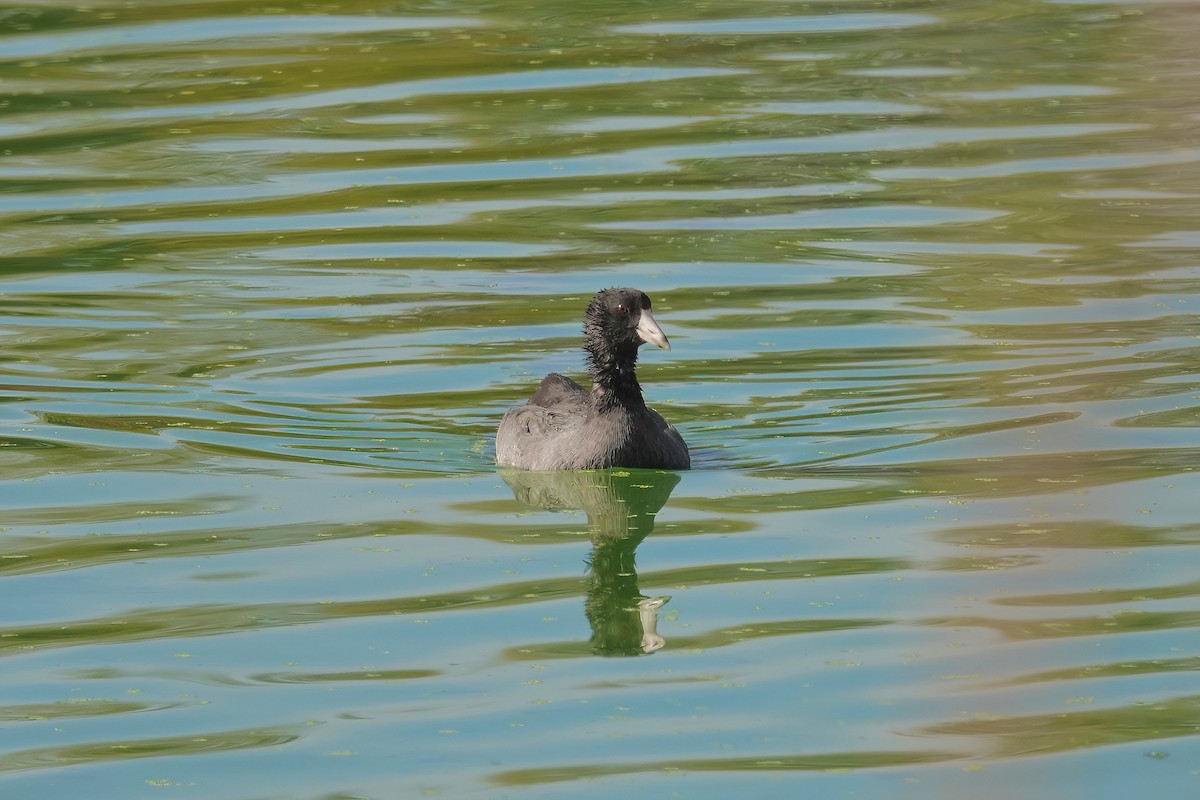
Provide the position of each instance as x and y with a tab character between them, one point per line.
565	427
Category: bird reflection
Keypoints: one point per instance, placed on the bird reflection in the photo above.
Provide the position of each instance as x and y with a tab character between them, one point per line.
620	506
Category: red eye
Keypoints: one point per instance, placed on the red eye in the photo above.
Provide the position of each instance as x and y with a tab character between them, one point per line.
621	307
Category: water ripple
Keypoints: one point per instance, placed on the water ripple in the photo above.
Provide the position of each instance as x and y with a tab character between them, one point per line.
271	276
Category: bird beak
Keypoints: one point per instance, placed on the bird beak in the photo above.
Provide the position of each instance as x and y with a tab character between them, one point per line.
648	329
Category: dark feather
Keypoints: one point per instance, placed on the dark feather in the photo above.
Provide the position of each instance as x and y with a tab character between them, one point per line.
563	426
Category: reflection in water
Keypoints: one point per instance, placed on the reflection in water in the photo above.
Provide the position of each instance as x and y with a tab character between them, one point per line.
620	506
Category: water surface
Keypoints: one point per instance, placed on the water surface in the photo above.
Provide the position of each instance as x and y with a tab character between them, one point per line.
271	275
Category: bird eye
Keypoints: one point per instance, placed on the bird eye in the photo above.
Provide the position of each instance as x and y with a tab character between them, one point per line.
622	308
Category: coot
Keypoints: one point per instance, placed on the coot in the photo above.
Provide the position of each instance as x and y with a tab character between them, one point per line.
564	426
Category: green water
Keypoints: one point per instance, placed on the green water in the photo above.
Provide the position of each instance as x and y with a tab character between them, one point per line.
271	274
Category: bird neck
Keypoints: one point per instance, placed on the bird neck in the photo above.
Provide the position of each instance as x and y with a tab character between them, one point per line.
614	377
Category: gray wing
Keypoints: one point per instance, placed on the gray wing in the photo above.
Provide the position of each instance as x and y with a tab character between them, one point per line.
558	390
530	436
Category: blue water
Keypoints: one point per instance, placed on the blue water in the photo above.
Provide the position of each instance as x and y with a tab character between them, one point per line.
271	277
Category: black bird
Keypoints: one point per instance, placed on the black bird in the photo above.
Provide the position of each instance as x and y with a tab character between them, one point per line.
563	426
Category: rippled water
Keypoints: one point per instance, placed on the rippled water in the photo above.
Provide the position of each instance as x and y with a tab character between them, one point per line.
272	274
